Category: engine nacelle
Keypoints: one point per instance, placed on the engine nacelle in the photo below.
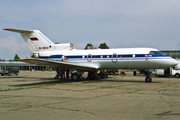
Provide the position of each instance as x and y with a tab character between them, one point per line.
64	46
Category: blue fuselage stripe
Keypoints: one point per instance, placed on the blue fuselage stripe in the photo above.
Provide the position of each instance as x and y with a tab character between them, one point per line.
104	57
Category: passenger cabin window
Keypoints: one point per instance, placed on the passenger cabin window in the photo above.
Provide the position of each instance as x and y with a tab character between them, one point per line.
89	56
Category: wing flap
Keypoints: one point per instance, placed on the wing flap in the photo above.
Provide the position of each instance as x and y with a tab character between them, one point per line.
60	64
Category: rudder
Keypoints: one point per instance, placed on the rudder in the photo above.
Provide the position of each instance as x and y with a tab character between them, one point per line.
35	40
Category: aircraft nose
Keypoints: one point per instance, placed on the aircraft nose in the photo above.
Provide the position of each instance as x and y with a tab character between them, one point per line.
173	62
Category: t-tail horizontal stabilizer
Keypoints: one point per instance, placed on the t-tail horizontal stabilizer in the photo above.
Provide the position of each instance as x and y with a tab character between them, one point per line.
18	30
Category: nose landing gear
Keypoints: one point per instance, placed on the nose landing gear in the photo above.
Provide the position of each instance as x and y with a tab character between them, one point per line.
148	78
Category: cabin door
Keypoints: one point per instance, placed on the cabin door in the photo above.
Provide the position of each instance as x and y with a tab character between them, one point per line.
147	61
89	57
114	58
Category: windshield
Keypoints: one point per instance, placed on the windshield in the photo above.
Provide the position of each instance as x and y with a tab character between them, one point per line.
156	53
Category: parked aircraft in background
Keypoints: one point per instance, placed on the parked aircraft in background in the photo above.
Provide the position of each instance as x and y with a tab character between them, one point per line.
64	56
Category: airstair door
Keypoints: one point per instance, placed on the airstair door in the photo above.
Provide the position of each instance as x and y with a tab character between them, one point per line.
114	58
147	61
89	57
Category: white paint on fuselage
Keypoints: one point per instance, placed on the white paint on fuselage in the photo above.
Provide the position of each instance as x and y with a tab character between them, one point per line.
148	62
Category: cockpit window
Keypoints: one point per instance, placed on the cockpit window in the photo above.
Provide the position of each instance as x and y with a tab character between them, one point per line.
156	53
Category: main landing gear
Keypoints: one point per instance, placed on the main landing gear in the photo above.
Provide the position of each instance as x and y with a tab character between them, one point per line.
75	76
92	75
148	78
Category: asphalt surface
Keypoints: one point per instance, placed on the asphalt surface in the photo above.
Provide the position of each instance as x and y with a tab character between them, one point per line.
36	95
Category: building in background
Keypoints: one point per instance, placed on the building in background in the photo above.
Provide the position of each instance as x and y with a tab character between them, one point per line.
172	53
23	66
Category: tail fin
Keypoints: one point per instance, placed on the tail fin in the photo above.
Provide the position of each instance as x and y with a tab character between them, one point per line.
35	40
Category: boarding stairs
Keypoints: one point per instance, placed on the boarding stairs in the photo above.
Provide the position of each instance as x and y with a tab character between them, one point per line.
59	73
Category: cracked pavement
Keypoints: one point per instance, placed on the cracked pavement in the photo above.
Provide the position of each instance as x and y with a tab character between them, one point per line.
36	95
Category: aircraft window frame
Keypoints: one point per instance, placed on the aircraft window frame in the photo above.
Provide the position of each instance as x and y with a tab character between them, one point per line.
156	53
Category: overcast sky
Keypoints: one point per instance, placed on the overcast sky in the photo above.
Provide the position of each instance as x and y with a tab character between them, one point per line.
119	23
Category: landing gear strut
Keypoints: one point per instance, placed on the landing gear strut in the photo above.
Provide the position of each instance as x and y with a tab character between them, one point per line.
148	78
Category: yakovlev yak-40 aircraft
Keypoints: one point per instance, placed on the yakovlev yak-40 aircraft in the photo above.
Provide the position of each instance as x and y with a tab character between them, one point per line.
64	56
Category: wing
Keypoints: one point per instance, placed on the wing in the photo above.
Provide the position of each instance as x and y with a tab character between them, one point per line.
51	63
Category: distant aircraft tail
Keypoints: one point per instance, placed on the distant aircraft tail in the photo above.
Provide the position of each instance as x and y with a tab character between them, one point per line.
35	40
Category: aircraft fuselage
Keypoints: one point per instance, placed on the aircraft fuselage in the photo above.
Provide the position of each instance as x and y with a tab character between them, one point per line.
125	58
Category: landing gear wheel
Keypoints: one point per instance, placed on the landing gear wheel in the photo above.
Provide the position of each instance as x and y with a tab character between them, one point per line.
148	79
74	77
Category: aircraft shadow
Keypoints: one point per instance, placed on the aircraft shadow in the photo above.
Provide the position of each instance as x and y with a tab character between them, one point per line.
135	81
44	81
35	84
84	81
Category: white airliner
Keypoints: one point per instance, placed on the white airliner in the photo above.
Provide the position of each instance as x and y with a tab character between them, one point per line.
64	56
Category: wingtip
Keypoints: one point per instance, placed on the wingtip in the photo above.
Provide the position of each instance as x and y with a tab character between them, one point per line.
26	59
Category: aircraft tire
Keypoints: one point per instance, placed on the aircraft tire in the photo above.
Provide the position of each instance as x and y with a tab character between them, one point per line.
148	79
74	76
